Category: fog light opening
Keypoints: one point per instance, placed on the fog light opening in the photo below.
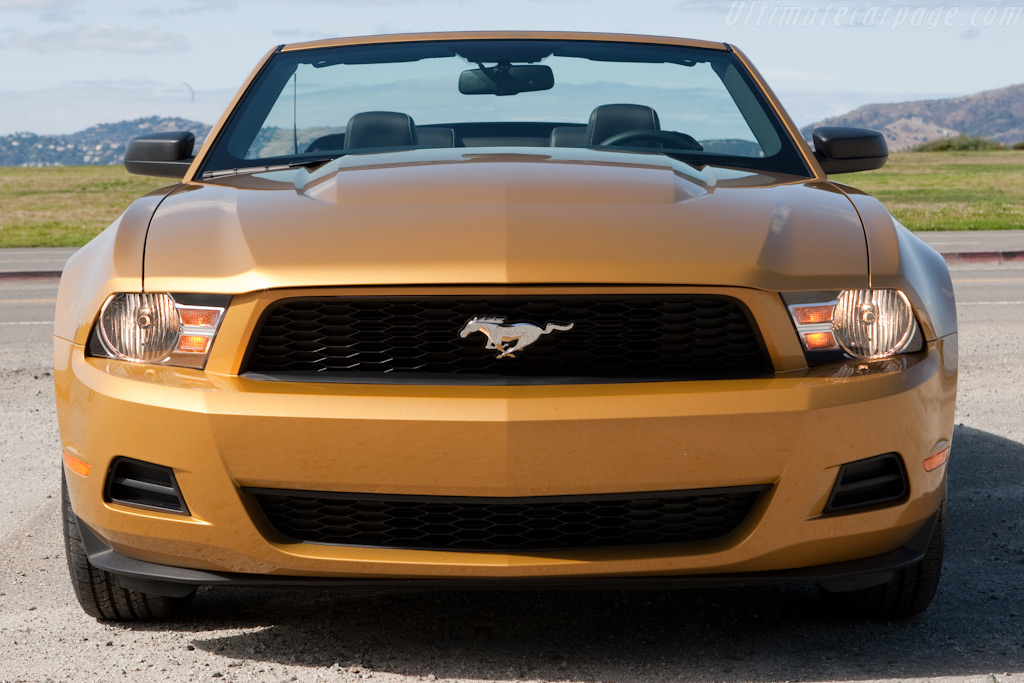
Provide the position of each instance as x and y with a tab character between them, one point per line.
867	483
144	485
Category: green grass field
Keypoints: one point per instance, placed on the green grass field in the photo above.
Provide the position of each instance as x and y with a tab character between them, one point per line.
64	206
69	205
949	190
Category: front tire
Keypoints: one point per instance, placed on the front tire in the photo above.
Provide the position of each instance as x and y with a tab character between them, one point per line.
909	592
100	593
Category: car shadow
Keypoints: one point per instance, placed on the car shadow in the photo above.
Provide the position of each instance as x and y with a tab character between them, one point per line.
769	634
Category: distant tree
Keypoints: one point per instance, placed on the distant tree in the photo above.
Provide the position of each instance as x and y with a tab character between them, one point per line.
961	143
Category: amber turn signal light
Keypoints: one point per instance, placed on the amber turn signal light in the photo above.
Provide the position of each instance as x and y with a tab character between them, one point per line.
193	343
196	316
816	341
813	314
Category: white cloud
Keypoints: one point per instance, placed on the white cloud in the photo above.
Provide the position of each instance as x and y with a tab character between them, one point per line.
36	4
298	34
75	106
702	6
188	10
101	37
45	10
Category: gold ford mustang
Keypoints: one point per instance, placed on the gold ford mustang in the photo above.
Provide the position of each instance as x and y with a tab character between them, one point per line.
505	309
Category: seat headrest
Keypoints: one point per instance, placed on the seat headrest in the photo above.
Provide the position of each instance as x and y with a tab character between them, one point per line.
380	129
569	136
436	136
611	119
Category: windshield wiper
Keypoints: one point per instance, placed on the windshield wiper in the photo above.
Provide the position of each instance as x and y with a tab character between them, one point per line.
683	155
690	161
207	175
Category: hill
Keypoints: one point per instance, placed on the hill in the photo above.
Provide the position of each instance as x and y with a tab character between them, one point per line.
100	145
994	114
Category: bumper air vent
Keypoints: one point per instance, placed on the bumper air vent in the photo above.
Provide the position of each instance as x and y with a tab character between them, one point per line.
144	485
507	524
865	483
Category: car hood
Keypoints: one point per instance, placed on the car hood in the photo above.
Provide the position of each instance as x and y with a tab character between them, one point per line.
505	217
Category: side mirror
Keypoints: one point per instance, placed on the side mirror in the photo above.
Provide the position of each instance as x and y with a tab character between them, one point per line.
505	79
161	154
846	150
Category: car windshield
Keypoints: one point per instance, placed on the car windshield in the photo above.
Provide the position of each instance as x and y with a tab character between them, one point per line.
696	104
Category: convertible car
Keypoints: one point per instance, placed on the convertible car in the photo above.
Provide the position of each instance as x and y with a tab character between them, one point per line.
505	310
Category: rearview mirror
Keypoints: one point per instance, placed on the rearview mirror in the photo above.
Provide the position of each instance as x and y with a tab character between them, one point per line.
505	79
166	155
845	150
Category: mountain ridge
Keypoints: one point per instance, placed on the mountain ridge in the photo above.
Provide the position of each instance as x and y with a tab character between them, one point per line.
102	144
995	114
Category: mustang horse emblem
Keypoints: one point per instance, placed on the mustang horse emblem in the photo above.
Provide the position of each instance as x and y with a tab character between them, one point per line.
498	334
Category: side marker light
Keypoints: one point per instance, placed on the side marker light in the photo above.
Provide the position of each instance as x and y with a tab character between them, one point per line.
75	465
936	461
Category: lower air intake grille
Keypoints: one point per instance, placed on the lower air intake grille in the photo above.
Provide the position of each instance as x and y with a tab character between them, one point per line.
507	524
142	484
417	339
866	483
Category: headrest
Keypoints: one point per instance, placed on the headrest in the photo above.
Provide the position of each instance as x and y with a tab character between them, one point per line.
436	137
380	129
611	119
331	141
569	136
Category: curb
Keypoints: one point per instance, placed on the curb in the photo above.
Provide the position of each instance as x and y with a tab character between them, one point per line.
28	274
968	257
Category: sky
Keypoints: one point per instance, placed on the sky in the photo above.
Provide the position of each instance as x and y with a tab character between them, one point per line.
66	65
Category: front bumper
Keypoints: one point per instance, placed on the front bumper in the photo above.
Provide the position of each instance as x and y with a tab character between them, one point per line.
221	433
159	579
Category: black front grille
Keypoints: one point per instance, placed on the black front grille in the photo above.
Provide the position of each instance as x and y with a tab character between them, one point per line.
614	337
507	524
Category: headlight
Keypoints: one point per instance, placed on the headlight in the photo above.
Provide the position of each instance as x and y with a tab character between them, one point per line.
854	323
161	328
872	323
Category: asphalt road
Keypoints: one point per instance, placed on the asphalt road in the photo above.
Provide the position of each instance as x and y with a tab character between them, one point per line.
968	241
974	630
35	260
